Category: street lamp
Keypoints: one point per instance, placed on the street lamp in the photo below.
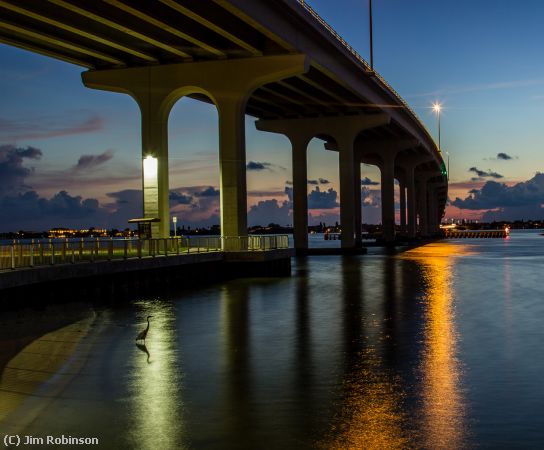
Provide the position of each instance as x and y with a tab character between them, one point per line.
437	107
371	35
175	220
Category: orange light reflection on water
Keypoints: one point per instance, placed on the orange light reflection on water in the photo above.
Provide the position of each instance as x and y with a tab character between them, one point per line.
372	415
443	404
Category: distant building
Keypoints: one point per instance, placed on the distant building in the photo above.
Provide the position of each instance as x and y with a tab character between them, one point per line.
60	232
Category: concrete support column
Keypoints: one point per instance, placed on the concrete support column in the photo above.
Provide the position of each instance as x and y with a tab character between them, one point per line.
342	131
300	191
358	203
228	83
388	197
232	165
155	182
431	211
423	207
347	189
402	190
411	197
434	210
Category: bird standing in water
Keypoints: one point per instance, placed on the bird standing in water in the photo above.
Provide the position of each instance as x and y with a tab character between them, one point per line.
143	334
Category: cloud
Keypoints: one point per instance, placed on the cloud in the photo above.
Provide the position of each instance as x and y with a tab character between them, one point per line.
371	197
503	156
265	193
30	211
484	174
24	208
208	192
270	211
12	171
88	162
318	199
528	195
48	127
257	166
178	198
317	182
368	182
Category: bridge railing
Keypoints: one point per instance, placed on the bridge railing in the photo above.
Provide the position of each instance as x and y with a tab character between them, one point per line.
20	254
365	65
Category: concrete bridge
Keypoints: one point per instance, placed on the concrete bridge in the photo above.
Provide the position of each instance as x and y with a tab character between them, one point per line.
276	61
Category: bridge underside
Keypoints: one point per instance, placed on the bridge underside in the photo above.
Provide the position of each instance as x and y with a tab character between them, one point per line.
312	75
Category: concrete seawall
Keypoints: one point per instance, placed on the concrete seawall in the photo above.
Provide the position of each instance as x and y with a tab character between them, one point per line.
106	278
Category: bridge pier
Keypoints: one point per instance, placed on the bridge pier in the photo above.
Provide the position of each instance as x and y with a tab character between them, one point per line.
422	206
228	84
411	202
402	204
435	215
383	153
300	190
428	213
409	165
388	198
340	133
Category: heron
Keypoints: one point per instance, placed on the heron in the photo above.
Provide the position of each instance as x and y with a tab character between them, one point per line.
143	334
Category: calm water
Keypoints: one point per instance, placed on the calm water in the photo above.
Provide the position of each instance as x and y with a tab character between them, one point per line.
440	347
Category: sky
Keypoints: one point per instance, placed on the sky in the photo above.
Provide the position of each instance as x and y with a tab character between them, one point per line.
70	156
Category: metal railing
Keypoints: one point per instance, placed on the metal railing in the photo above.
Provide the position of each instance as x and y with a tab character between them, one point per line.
20	254
385	85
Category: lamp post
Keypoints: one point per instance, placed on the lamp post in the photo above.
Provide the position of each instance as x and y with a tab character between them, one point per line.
371	38
175	220
437	107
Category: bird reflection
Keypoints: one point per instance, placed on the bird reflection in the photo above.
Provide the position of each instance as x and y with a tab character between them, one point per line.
144	349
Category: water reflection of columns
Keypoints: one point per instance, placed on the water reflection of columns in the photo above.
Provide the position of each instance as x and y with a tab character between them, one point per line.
303	365
236	338
391	310
371	415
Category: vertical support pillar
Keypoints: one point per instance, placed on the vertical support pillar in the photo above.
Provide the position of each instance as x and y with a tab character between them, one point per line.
232	166
155	182
402	190
300	191
411	197
433	212
423	207
358	203
388	197
347	190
